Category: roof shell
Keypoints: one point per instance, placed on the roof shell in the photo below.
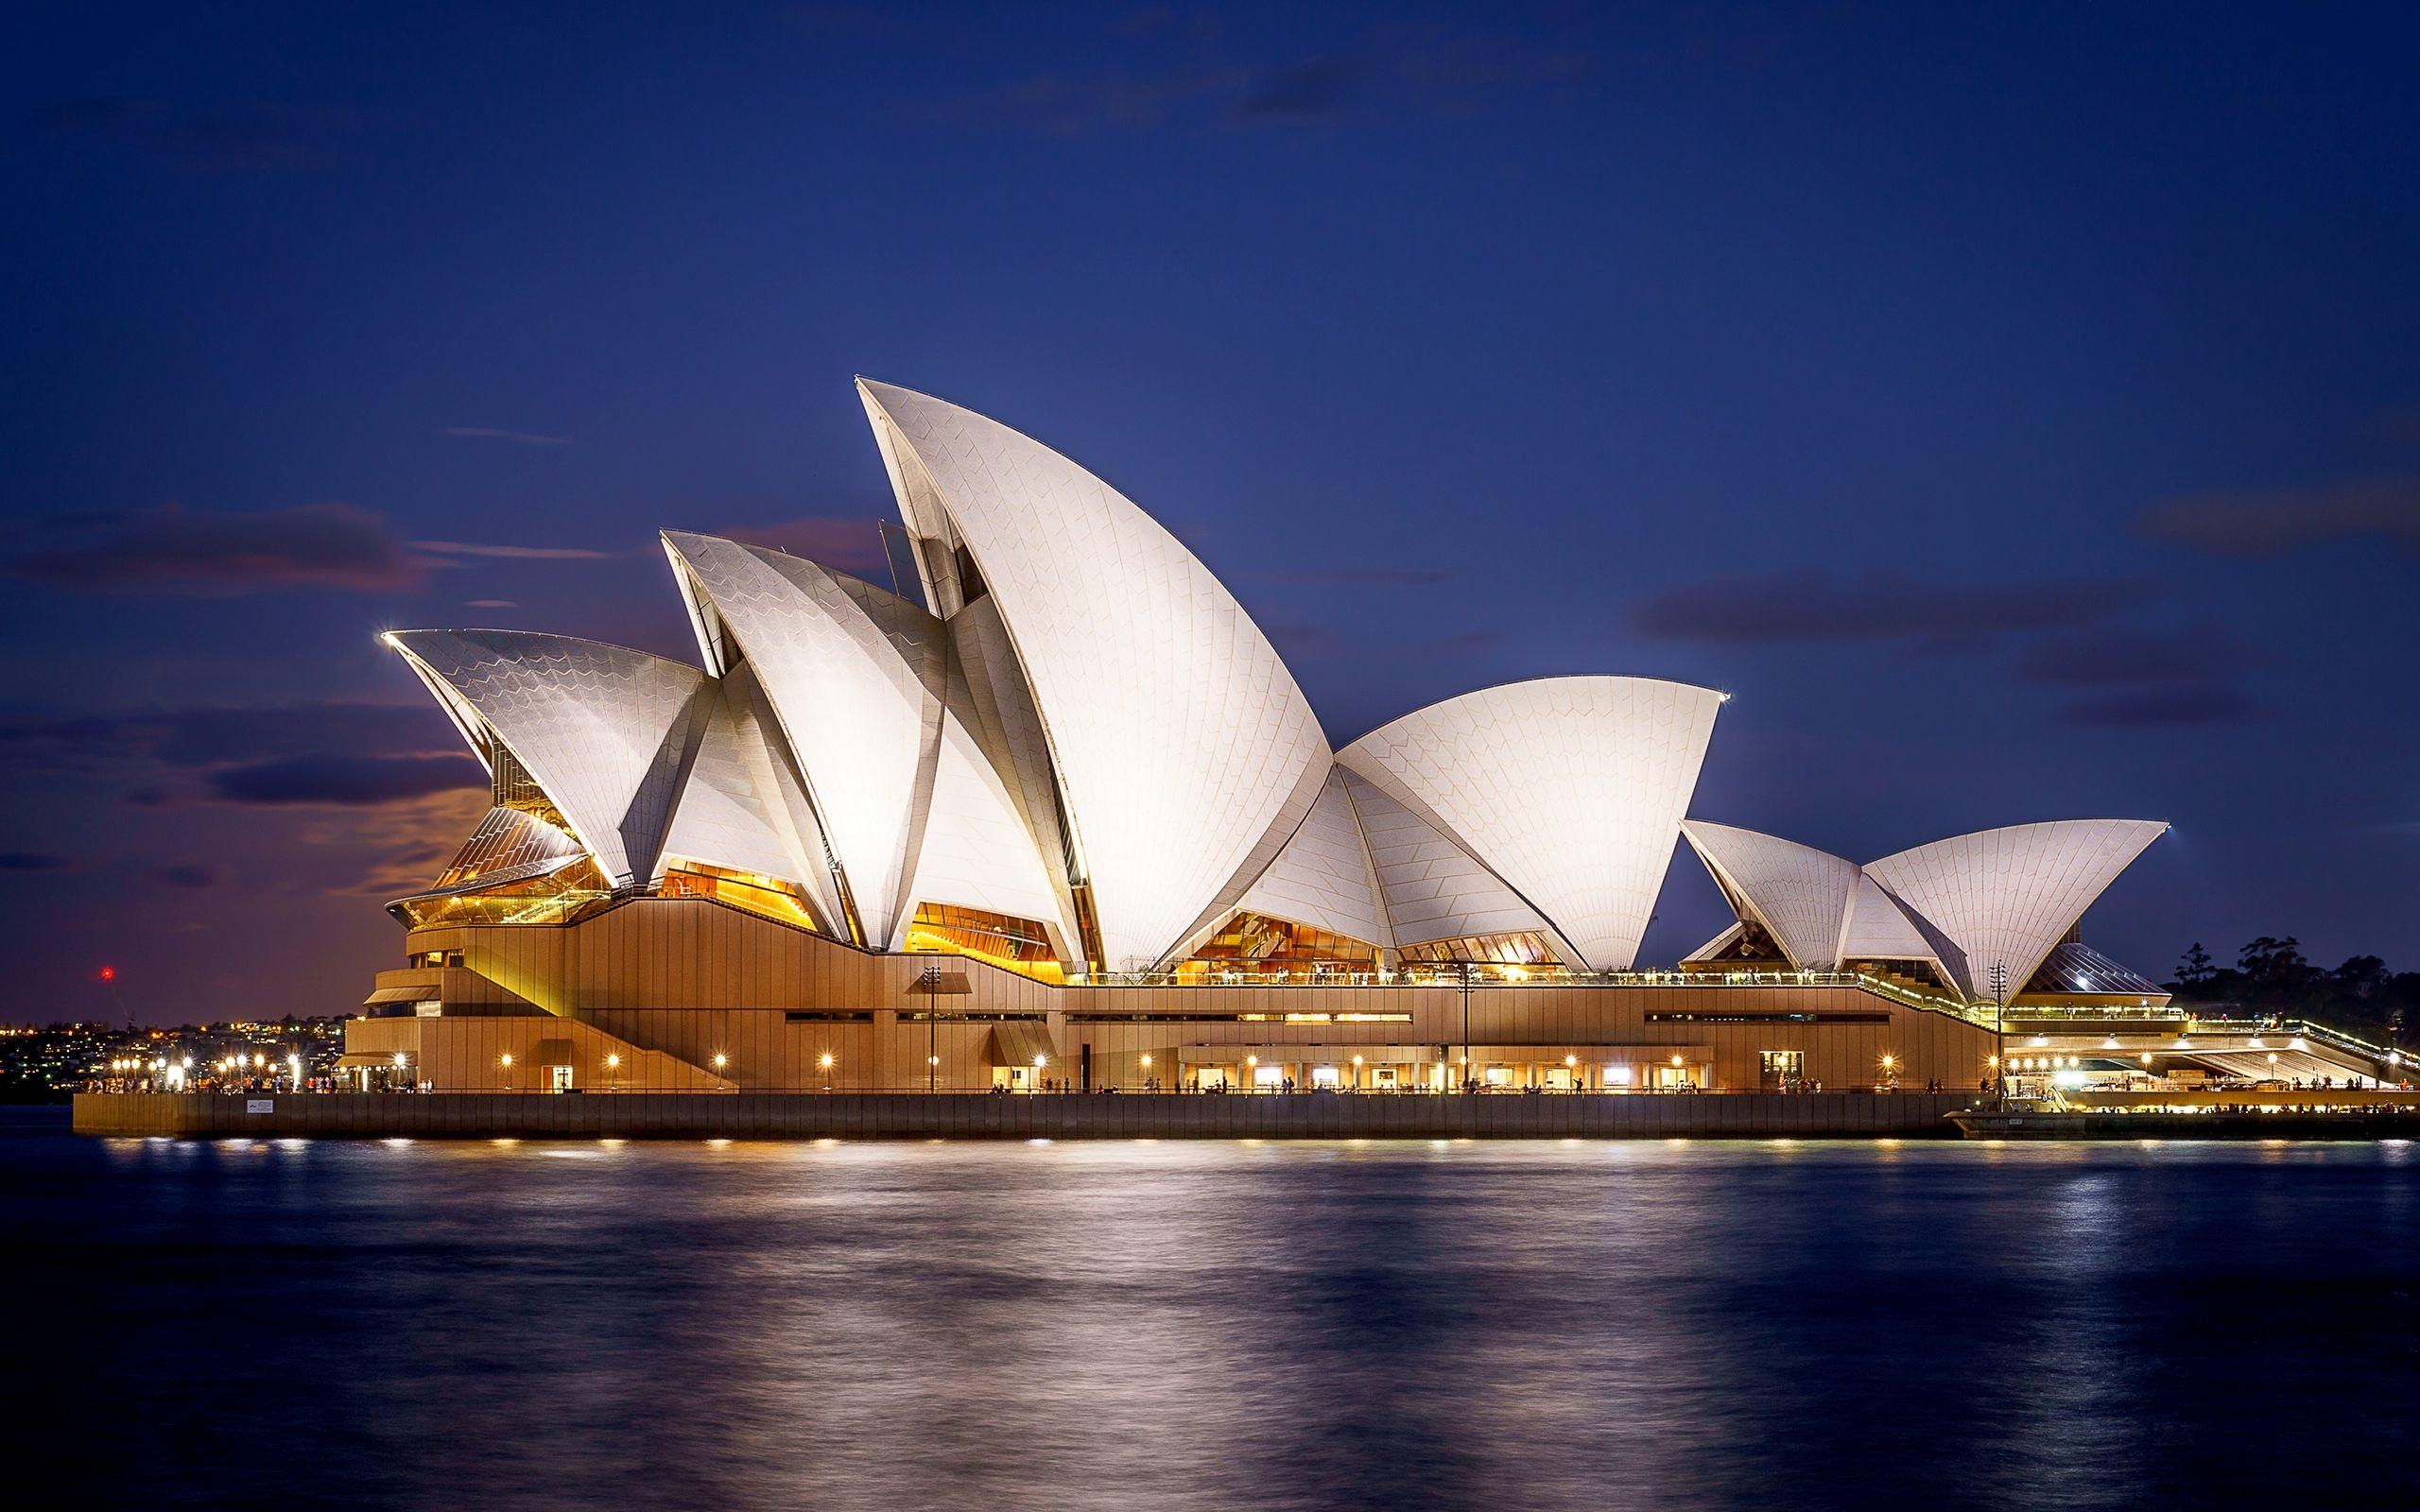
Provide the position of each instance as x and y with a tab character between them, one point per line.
2005	896
1798	894
1569	789
855	678
1185	753
1323	877
606	730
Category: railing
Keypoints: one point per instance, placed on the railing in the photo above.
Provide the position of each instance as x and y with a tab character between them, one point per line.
2033	1013
2304	1029
1511	977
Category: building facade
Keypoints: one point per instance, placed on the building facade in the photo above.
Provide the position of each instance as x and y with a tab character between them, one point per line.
1056	813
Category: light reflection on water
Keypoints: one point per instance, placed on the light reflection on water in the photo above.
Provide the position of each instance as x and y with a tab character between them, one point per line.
1215	1325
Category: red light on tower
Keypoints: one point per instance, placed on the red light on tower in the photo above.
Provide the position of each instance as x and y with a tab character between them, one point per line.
108	974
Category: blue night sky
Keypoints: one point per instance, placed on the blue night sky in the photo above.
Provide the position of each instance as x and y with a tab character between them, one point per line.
2018	410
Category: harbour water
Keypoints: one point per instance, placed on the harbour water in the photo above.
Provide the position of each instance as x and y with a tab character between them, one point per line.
1708	1324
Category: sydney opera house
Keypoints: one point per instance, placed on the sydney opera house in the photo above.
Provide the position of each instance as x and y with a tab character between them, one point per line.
1056	813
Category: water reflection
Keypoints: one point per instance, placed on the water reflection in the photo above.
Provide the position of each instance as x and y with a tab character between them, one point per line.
1174	1324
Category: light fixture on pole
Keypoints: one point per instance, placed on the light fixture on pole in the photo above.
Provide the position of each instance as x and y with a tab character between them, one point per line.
2000	1031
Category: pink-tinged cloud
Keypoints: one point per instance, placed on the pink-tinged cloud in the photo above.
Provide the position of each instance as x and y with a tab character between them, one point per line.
467	548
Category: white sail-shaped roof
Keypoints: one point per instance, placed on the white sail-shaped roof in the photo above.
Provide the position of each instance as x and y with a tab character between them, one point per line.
2006	895
1878	928
605	732
1571	789
976	851
1429	887
724	816
1323	877
1798	894
1184	751
989	697
855	675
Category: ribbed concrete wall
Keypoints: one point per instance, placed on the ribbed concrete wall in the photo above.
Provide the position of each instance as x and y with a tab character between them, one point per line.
875	1115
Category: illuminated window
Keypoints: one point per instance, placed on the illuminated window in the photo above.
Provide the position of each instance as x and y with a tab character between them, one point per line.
1522	947
556	897
770	896
1257	946
1020	945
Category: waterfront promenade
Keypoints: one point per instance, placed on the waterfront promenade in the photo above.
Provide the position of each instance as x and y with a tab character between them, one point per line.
979	1116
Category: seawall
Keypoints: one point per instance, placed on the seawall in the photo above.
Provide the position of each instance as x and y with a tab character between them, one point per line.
975	1116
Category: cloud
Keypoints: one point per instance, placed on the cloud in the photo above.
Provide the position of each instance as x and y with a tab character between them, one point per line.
193	877
222	138
1305	641
390	851
2271	522
1396	74
522	438
349	781
1811	605
2115	655
1349	576
31	861
175	550
1305	92
491	603
850	545
162	745
2190	703
1056	106
466	548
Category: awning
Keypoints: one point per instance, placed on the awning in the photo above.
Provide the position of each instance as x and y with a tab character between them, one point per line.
1016	1042
358	1059
552	1053
403	994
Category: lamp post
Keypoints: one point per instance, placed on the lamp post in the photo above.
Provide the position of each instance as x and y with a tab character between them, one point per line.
932	982
1999	1033
1462	969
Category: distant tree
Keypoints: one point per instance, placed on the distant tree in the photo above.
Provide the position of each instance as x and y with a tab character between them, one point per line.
2194	970
2361	977
2275	968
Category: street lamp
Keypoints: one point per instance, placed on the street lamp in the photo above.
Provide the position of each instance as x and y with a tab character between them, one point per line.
929	979
1999	1028
1463	968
